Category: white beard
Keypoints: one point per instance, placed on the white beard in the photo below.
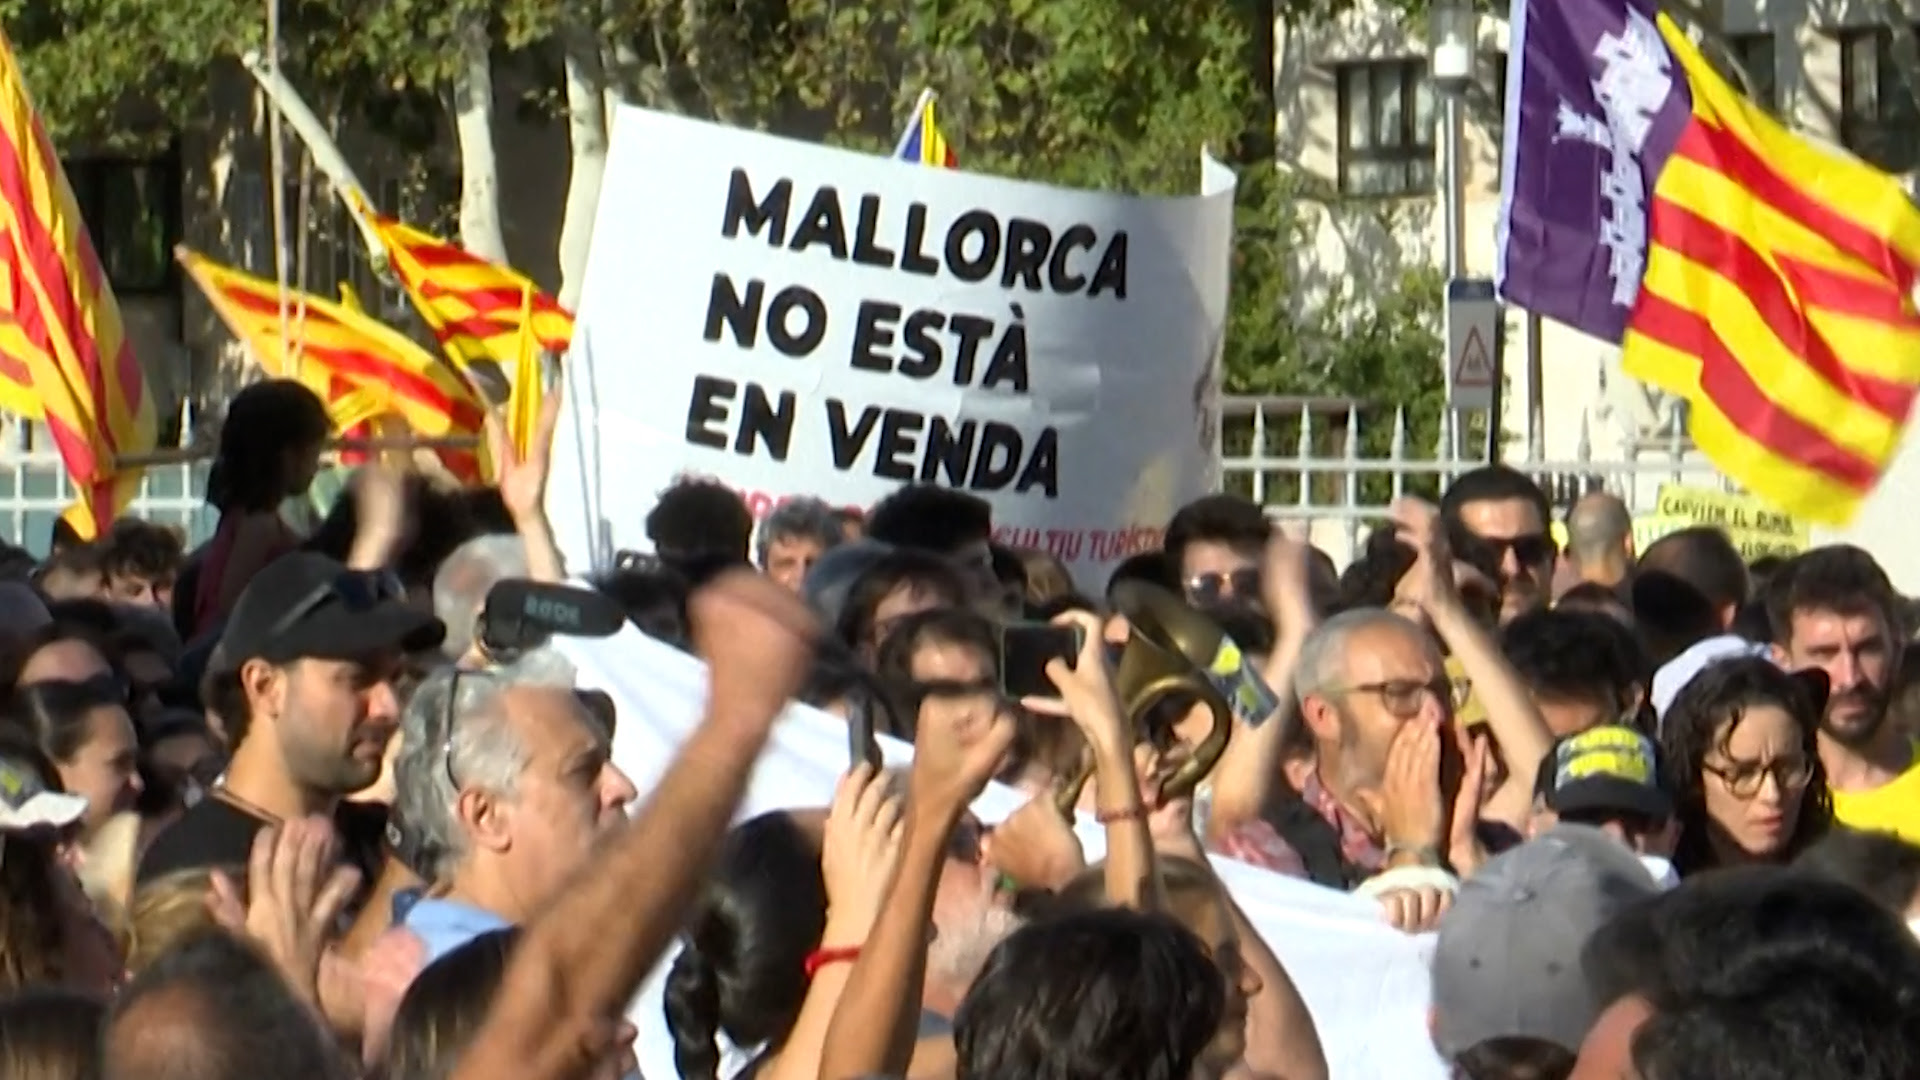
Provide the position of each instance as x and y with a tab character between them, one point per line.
959	952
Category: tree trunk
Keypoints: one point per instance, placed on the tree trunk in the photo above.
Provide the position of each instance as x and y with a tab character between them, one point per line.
480	230
587	112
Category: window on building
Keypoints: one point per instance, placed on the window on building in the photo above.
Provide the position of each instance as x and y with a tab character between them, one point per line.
132	210
1387	125
1757	58
1878	118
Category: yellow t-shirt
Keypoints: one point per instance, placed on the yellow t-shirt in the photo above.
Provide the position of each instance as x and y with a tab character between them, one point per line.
1892	807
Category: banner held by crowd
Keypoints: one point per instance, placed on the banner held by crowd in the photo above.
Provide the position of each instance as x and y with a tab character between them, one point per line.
864	325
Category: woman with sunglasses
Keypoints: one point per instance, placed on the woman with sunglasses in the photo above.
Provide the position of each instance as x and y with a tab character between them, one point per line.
1738	747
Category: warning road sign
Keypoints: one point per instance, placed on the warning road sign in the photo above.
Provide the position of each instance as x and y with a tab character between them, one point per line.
1473	368
1473	333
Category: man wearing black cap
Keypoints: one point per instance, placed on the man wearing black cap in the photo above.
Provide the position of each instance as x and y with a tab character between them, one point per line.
303	680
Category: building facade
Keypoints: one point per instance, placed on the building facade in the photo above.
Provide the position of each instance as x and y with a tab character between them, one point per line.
1358	114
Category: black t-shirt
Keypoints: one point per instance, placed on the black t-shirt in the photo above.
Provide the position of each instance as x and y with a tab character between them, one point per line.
215	833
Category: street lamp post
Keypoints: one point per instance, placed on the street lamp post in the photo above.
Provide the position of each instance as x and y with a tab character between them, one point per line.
1452	27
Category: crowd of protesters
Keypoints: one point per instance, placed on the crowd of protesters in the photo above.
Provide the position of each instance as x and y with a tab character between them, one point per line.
270	808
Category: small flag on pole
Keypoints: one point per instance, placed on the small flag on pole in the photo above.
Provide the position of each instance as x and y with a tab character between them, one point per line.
922	142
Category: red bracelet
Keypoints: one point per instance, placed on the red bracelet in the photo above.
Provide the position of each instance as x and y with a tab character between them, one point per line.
1136	812
820	958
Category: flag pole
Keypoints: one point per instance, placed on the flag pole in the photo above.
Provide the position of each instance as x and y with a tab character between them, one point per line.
326	154
919	110
277	169
371	446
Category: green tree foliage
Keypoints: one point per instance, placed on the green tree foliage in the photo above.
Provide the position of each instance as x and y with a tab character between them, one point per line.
1104	94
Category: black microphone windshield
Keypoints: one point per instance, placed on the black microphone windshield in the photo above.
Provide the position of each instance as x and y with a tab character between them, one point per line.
523	613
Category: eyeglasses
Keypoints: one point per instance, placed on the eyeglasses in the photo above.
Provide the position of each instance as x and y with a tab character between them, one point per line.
1743	778
1205	588
359	591
450	719
1530	550
1403	697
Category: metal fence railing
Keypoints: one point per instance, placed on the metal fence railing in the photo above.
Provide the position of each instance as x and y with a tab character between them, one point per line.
1330	465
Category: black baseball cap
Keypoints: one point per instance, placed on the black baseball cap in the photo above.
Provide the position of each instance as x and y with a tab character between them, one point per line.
305	605
1611	769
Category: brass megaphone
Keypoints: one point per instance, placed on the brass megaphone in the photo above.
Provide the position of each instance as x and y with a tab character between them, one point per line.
1168	650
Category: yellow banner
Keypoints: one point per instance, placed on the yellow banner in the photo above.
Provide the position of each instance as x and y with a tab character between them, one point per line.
1755	528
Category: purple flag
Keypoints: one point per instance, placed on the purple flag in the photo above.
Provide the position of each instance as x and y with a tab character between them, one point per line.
1595	103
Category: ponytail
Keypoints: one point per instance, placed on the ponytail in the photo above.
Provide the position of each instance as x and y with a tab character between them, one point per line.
692	1005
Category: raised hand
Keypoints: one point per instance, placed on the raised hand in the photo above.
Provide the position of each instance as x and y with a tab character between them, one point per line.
1035	846
1086	693
1286	583
522	478
951	767
1408	803
757	639
1418	524
860	850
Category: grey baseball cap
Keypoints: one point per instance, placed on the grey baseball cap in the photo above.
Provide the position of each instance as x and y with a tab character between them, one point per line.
832	576
1507	962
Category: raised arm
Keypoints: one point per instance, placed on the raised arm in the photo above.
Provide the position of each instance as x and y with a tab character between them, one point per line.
583	959
1244	778
1511	714
873	1029
1087	698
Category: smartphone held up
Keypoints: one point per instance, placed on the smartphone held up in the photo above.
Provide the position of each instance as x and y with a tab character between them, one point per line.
1025	650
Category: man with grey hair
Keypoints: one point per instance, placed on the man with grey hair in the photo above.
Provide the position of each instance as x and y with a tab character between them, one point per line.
504	782
460	587
794	536
1377	699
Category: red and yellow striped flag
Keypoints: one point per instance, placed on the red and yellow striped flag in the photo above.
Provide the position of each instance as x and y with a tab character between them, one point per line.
1778	301
60	328
339	350
474	307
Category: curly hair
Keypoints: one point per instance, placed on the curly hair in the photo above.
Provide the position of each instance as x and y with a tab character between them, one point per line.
140	549
1704	716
